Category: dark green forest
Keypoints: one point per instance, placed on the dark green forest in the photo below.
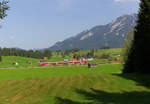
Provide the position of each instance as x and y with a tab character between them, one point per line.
25	53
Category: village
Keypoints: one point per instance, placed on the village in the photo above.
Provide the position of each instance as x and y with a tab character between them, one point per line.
90	62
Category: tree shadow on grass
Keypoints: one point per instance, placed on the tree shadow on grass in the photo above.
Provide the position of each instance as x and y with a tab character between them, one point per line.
101	97
140	79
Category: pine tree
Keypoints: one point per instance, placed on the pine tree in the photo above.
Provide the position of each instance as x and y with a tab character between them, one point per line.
127	45
0	58
138	57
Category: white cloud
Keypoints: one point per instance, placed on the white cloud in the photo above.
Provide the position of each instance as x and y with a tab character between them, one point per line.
64	4
126	0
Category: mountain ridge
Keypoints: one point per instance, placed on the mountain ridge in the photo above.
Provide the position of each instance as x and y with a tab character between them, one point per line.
110	35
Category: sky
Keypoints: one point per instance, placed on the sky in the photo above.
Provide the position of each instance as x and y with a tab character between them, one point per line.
37	24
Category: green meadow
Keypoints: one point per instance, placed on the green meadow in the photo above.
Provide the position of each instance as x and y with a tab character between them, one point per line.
73	85
8	60
20	74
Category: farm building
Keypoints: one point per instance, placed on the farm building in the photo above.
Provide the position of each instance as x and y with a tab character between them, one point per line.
15	63
90	59
117	59
74	59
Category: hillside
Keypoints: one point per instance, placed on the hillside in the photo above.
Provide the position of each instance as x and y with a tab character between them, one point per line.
111	35
22	61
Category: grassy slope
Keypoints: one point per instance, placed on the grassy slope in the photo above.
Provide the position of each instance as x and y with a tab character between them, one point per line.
102	51
56	58
8	60
72	86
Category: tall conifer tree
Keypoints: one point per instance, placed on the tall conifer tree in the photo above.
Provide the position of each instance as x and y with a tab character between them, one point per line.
139	55
0	58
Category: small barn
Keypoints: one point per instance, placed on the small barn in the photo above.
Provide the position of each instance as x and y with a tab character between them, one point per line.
15	63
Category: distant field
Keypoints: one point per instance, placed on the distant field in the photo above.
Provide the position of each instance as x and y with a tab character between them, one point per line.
18	74
8	60
73	85
101	51
56	58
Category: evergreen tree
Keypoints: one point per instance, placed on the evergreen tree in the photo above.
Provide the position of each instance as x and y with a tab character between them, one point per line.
0	58
127	45
138	56
48	54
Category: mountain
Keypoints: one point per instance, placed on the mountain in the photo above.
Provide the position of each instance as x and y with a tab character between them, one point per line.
110	35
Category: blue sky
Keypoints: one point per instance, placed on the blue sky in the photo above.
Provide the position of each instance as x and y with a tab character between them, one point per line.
40	23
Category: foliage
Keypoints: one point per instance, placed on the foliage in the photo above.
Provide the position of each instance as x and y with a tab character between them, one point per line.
0	58
127	45
67	52
76	56
3	8
104	56
25	53
90	54
138	57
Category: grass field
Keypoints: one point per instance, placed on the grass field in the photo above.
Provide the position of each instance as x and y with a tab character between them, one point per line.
8	60
73	85
102	51
19	74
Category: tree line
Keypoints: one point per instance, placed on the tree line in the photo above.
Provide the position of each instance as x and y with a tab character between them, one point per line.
76	53
25	53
